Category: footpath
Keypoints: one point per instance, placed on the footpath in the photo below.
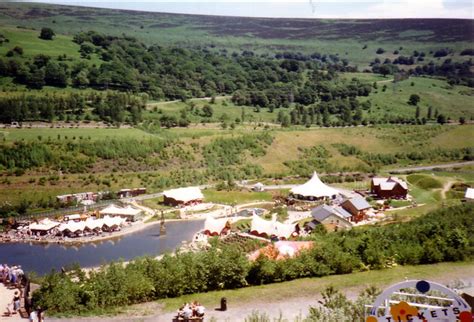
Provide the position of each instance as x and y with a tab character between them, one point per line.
6	297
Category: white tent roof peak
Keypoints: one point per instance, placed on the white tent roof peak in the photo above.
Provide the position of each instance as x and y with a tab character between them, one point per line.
314	188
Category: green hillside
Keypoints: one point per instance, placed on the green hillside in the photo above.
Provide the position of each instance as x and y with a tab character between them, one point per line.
356	40
125	99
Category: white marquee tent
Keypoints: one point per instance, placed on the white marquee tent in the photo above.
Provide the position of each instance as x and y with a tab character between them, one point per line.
184	195
271	227
44	225
315	189
213	226
128	211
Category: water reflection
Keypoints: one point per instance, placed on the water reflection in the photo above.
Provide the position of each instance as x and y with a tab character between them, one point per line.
41	258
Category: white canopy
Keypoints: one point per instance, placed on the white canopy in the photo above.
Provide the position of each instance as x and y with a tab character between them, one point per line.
314	188
44	225
271	227
469	193
73	226
184	194
214	226
119	211
113	221
283	230
94	223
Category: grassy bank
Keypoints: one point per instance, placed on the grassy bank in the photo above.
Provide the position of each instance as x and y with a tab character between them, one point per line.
311	287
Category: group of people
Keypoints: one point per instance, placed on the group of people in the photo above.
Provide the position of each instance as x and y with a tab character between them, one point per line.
11	275
14	278
192	310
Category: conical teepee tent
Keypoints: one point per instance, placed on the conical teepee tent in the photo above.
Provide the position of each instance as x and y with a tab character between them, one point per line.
314	189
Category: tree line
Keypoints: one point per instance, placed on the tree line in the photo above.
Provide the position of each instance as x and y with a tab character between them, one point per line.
163	72
109	106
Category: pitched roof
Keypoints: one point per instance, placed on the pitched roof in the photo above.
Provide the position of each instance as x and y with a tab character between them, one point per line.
184	194
359	203
314	188
389	183
469	193
323	211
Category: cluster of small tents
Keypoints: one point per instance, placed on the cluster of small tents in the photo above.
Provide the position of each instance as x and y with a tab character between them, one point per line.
47	226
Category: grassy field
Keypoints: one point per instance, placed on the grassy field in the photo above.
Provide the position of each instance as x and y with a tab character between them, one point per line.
452	101
354	40
387	139
235	197
311	287
41	184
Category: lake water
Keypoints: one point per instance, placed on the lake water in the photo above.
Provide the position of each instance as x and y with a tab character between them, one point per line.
41	258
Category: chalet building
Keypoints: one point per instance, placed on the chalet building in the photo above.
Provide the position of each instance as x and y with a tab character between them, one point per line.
183	196
332	218
391	187
357	207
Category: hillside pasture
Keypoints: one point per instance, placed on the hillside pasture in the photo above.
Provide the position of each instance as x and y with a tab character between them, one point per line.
452	101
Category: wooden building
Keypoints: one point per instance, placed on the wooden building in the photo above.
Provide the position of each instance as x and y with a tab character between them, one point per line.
391	187
357	207
332	218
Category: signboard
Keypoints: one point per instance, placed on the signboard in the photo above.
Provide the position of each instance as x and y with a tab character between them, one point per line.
387	310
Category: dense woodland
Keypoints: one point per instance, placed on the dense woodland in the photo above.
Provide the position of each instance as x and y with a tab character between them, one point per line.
443	235
130	73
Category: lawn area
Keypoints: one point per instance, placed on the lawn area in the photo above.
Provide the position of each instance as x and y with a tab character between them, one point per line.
311	287
235	197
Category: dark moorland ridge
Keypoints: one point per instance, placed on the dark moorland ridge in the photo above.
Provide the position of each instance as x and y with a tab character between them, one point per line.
366	29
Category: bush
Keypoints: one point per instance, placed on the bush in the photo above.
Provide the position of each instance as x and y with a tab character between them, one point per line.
443	235
46	33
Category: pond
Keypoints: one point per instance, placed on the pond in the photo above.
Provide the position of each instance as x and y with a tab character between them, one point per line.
41	258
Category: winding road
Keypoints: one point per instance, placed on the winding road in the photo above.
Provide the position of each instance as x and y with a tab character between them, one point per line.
431	167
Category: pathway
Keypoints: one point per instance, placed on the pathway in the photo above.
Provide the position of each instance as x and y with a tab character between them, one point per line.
6	296
446	188
431	167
